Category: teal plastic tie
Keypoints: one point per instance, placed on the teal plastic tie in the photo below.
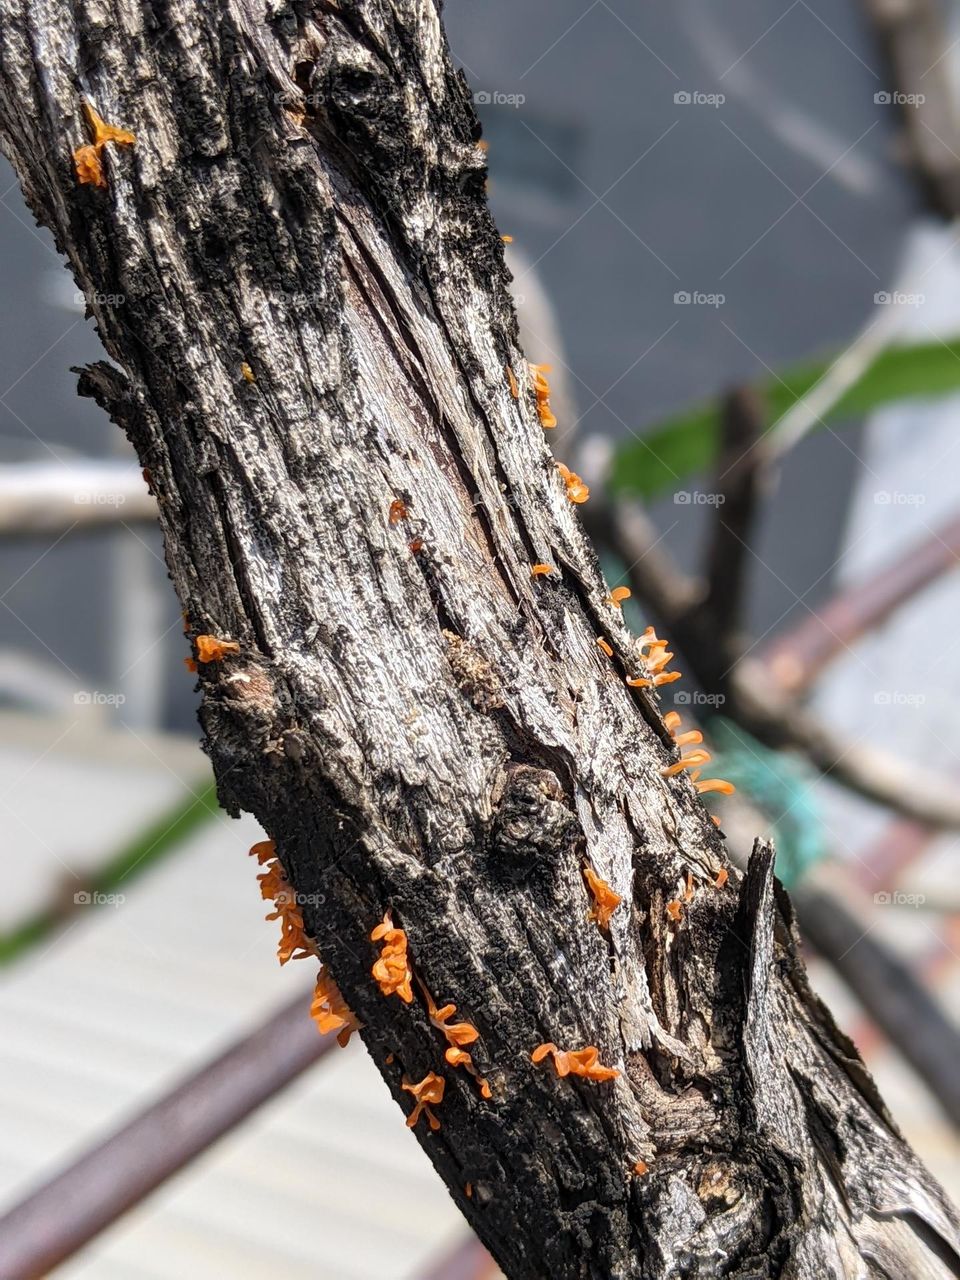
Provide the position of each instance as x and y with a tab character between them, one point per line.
782	788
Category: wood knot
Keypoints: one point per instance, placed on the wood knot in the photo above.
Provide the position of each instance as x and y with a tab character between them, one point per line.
719	1184
474	675
532	826
251	686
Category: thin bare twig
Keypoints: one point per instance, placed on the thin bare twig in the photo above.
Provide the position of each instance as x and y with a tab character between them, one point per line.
752	696
796	657
897	1001
737	487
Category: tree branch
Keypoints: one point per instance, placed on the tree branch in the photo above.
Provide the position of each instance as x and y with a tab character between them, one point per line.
737	484
423	727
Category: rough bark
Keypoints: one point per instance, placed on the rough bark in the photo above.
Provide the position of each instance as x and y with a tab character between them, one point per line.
431	731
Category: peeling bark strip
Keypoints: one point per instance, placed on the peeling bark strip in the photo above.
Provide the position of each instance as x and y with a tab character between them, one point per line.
422	726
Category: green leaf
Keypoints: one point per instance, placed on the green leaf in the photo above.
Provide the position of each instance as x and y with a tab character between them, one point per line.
679	448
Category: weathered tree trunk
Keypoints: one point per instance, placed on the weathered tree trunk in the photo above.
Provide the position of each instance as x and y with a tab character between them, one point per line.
420	725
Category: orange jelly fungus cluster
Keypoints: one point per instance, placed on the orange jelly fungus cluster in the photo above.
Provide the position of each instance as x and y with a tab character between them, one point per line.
86	160
329	1009
398	511
575	1062
541	570
605	900
212	649
618	595
428	1093
693	760
672	721
542	391
457	1035
392	971
656	662
294	943
577	491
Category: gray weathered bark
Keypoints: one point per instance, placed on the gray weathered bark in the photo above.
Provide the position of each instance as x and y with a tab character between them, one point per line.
432	731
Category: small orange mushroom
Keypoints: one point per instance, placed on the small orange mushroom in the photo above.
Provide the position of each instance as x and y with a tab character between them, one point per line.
213	649
716	784
248	374
640	1168
672	722
541	570
723	875
457	1035
605	900
541	389
576	1062
392	971
658	657
86	160
507	239
674	910
398	511
604	646
618	595
294	943
692	760
577	491
329	1009
428	1094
